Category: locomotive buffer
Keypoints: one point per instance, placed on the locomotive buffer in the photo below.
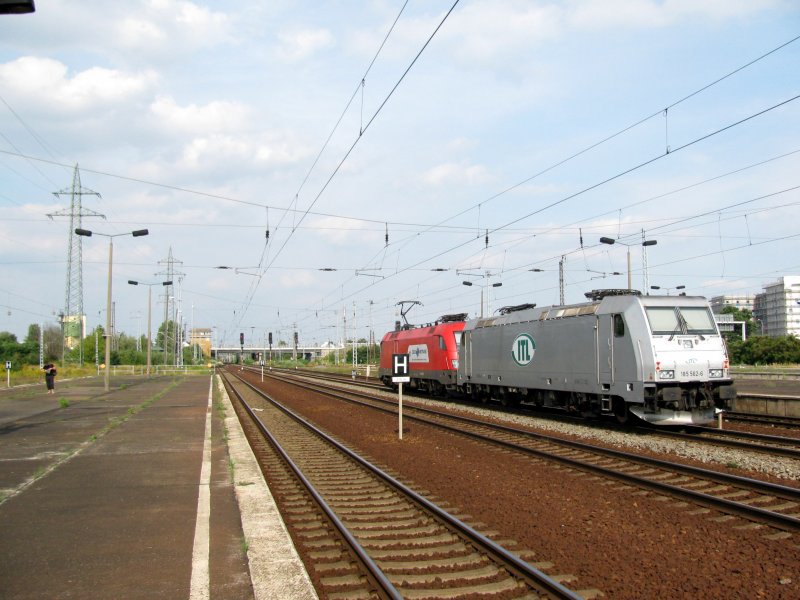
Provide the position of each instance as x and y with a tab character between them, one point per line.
400	375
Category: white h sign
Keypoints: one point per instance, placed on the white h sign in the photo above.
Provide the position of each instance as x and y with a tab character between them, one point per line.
400	370
401	375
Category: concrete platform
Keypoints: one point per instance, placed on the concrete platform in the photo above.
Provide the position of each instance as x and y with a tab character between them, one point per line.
136	493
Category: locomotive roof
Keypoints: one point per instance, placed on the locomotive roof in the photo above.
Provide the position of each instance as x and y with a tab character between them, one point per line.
428	329
616	301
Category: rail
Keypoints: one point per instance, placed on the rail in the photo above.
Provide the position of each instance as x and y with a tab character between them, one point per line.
463	424
539	581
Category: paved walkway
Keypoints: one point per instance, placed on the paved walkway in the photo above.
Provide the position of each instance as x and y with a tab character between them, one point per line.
130	494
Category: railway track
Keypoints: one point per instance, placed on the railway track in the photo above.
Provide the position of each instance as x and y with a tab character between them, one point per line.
754	442
767	420
751	499
742	440
368	535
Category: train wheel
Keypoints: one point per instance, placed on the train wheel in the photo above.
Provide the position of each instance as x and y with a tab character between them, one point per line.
620	410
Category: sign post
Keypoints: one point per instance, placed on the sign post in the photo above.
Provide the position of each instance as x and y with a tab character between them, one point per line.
8	373
400	375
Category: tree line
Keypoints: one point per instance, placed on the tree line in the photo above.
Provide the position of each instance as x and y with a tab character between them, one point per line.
758	349
125	349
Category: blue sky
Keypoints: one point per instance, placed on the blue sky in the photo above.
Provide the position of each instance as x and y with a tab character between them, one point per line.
206	121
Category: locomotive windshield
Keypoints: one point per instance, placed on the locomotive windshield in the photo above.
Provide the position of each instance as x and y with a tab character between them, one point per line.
672	320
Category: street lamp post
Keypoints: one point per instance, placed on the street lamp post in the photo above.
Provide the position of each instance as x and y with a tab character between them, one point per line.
149	311
486	288
606	240
677	287
110	236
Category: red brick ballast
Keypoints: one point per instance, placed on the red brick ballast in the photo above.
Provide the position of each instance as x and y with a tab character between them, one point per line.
627	543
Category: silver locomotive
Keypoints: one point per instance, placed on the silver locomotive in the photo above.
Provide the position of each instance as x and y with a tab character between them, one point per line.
660	358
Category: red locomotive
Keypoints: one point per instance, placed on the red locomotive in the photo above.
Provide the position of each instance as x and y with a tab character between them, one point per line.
432	351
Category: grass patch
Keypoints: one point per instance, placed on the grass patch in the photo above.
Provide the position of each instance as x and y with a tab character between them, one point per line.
63	402
245	545
222	413
116	421
732	465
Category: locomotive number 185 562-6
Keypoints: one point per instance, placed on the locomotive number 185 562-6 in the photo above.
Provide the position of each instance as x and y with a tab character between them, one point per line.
692	374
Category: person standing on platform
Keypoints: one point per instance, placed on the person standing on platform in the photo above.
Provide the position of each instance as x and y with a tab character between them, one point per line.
50	378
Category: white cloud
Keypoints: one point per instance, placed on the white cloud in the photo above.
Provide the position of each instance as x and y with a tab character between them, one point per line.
300	45
178	23
138	32
219	151
602	14
461	144
507	29
491	30
44	81
215	116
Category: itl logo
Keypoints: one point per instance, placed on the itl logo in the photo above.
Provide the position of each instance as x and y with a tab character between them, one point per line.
523	349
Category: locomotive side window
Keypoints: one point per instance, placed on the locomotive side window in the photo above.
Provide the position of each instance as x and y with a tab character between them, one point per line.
619	326
441	343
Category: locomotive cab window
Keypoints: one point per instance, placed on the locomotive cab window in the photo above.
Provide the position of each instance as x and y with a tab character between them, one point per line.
457	335
698	320
442	345
619	326
672	320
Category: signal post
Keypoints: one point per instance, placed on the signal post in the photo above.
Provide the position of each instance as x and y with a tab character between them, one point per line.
400	375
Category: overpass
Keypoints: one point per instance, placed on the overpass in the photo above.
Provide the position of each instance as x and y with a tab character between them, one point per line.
228	354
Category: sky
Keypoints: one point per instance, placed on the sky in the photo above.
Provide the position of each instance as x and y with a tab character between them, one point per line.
338	158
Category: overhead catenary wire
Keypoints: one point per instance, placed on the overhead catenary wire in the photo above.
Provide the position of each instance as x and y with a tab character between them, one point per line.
604	181
284	210
620	132
355	143
395	237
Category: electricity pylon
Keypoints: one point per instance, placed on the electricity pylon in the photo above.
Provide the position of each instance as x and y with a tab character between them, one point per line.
72	319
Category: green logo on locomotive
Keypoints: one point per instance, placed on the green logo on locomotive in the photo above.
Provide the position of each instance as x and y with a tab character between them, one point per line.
523	349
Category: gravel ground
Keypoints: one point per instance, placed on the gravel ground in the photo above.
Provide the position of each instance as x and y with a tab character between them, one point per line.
608	536
731	459
780	467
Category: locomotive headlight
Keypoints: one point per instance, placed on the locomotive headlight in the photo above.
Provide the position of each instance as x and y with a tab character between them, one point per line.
666	374
455	364
715	372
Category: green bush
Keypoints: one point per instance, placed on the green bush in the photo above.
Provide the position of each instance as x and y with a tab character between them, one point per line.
762	350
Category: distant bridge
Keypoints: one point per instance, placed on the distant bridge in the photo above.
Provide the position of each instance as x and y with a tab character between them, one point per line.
276	353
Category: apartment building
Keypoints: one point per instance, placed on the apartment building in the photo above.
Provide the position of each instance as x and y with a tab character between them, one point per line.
777	308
